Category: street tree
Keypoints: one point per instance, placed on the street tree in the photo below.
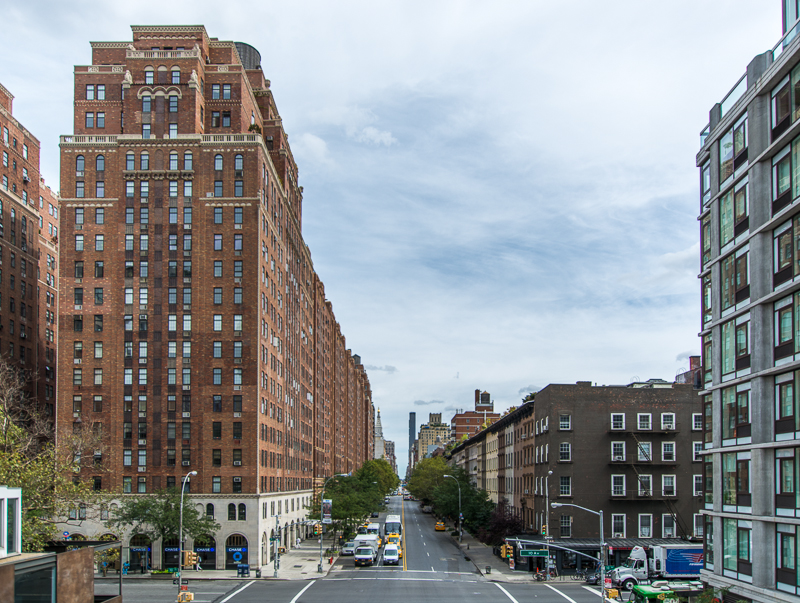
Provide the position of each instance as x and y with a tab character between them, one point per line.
157	515
48	473
428	474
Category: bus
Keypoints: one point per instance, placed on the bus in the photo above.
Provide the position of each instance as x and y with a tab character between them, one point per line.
393	525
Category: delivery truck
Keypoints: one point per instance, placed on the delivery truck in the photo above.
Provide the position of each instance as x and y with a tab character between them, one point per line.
669	561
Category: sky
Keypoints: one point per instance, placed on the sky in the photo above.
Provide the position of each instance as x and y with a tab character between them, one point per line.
497	195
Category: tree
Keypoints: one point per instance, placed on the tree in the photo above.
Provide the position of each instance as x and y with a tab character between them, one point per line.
475	504
503	522
379	470
157	516
427	476
49	474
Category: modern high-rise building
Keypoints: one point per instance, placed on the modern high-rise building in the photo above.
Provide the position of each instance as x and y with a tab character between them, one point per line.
198	334
29	220
412	435
749	164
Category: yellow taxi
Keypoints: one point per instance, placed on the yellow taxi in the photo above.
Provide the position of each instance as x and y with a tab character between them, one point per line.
440	527
395	539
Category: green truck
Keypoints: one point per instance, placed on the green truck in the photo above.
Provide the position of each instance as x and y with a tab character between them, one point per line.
661	591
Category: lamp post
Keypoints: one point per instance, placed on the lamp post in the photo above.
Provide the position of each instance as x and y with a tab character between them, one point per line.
180	529
321	497
460	530
602	543
547	523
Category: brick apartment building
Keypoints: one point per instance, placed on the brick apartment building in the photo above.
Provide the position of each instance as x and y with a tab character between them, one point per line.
29	222
197	334
632	451
470	422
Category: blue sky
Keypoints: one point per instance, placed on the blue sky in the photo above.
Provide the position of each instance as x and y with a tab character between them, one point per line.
497	195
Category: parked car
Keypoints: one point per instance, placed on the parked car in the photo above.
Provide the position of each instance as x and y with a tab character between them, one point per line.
376	514
440	526
349	548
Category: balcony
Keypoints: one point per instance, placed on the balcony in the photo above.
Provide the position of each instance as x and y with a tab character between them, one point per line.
639	495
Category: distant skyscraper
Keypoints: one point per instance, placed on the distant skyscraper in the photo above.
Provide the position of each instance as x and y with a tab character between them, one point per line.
412	435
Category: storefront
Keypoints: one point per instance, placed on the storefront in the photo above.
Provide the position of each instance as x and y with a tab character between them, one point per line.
206	550
236	551
170	550
141	559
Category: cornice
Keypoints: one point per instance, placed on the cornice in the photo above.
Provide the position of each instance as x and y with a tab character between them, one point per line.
6	92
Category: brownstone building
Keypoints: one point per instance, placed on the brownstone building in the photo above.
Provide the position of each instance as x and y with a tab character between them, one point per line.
197	333
29	215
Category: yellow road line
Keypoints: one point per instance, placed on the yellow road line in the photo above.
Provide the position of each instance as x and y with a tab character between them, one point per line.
403	524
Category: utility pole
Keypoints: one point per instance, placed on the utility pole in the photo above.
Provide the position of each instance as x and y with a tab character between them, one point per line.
276	560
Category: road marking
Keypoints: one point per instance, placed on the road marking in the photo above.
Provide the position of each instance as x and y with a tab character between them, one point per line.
297	596
508	594
433	570
232	595
556	590
428	554
593	591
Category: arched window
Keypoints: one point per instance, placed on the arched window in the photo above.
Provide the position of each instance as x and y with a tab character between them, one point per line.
80	163
210	510
218	162
173	160
176	75
100	163
130	162
238	162
144	163
242	512
231	512
148	75
187	161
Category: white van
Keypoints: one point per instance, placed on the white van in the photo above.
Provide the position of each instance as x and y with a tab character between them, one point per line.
391	556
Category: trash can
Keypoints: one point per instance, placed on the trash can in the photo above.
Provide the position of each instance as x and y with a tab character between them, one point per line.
488	569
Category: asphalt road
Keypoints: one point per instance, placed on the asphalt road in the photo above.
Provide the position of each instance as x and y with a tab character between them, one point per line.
434	570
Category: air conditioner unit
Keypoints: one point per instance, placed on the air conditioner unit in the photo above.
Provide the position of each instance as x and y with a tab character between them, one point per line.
142	442
185	463
237	479
79	174
237	463
619	535
187	415
238	173
236	415
619	458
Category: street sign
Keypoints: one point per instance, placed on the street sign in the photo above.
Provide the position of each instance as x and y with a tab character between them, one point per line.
183	581
533	553
66	534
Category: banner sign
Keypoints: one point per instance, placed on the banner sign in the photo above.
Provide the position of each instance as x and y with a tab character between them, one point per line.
327	506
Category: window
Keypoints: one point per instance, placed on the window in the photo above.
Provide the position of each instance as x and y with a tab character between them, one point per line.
785	98
697	452
218	188
237	350
146	103
735	278
173	104
785	182
218	162
737	546
668	526
101	93
617	451
617	485
216	484
618	525
238	188
217	215
237	295
80	189
565	422
667	421
215	91
734	213
149	76
697	421
101	120
126	485
226	91
645	525
90	119
565	486
668	452
645	451
217	349
98	296
617	421
237	430
146	131
787	323
565	524
217	322
564	452
736	479
215	119
217	376
237	269
217	242
90	92
187	161
645	485
237	322
237	376
217	295
237	242
668	485
644	421
697	485
173	131
226	119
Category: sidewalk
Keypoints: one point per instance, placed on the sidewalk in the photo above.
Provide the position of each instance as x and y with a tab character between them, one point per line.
298	563
491	566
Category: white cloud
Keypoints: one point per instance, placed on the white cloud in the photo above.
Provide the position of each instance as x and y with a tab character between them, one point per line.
312	149
374	136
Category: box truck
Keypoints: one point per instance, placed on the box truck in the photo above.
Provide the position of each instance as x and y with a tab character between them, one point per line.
667	561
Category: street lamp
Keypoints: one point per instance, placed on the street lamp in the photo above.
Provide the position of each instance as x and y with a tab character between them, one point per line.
547	522
460	530
602	543
180	529
321	497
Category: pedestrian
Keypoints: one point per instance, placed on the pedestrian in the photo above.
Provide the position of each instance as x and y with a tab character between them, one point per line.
197	564
298	541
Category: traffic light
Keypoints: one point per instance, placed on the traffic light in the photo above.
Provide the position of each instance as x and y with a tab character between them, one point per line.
506	551
544	530
194	558
316	529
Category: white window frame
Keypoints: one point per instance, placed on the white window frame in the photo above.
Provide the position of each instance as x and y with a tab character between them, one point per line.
614	455
618	484
642	490
614	518
618	414
698	522
649	520
561	486
696	452
561	423
664	454
667	421
640	451
569	452
697	484
664	519
642	415
697	421
664	479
